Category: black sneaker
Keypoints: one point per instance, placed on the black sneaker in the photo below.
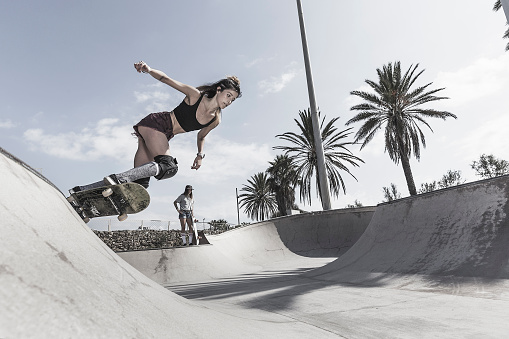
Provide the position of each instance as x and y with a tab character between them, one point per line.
75	189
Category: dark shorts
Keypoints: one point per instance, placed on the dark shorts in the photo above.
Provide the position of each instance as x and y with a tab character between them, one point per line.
185	215
159	121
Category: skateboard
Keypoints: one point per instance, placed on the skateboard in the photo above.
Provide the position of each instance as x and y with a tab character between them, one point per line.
120	200
196	241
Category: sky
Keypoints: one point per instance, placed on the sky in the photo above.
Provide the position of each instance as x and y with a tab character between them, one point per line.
69	93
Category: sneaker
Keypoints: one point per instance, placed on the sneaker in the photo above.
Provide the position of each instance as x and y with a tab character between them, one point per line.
75	189
111	180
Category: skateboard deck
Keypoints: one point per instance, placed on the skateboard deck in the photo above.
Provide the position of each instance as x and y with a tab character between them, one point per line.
121	200
195	240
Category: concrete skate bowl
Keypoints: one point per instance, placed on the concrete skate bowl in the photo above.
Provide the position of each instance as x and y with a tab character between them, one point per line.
58	280
435	265
288	245
431	266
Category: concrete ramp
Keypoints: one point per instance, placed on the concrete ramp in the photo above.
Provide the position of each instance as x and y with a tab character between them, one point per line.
58	280
288	244
455	239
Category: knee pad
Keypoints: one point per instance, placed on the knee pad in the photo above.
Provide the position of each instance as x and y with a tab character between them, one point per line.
167	166
143	182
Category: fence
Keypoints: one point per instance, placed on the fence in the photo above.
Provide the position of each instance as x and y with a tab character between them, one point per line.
112	224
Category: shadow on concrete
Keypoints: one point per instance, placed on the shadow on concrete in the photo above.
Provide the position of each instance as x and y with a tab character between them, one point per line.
277	290
267	290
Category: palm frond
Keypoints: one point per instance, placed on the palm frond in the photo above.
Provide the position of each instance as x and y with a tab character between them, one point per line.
304	158
258	200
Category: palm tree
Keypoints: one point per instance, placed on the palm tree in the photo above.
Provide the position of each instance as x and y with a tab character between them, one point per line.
282	181
497	6
259	201
303	154
396	106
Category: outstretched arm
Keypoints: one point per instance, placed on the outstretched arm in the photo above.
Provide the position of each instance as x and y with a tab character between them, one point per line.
189	91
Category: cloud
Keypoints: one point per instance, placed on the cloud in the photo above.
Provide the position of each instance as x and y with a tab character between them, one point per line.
254	62
276	84
483	78
257	61
6	124
36	119
487	137
224	159
106	140
157	98
237	159
142	97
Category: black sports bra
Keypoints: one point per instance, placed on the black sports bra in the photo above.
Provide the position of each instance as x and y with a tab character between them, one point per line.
186	116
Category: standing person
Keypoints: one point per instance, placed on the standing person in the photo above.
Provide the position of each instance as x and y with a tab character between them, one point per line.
184	205
200	110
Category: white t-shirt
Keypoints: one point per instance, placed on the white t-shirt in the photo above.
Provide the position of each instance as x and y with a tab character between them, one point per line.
186	203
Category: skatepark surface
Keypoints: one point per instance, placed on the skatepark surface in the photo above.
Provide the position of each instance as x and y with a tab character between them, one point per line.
431	266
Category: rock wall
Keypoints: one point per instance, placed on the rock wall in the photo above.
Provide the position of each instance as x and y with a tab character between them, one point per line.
131	240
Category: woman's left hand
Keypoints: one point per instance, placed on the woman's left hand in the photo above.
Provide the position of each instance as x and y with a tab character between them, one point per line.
197	162
142	67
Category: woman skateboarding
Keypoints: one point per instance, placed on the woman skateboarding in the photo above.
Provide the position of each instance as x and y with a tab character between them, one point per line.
200	110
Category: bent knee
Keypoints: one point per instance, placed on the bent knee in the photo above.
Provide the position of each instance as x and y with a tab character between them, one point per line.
168	166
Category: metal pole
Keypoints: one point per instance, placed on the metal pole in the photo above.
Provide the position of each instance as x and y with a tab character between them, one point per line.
320	158
505	7
238	213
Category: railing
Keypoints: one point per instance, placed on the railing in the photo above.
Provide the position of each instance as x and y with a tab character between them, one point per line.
112	224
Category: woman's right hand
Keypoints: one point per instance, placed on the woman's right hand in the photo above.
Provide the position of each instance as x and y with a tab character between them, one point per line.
142	67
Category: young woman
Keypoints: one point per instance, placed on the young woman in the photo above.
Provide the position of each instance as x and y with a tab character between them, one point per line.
184	205
200	110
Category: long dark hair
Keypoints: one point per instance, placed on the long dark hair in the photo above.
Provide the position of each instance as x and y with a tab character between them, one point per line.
230	82
190	194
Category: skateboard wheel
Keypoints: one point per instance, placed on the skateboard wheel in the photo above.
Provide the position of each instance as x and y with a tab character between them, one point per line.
122	217
86	220
107	192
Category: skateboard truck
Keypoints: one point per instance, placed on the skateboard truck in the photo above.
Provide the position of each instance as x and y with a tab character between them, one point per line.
78	209
107	194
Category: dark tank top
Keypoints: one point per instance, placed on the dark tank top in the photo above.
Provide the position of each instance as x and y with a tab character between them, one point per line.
186	116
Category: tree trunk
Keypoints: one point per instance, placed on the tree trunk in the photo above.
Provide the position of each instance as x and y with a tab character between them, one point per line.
405	162
281	203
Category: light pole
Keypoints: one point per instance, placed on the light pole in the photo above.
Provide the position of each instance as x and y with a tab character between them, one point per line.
320	159
238	213
505	6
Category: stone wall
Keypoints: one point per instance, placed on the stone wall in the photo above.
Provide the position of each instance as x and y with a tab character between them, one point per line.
131	240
